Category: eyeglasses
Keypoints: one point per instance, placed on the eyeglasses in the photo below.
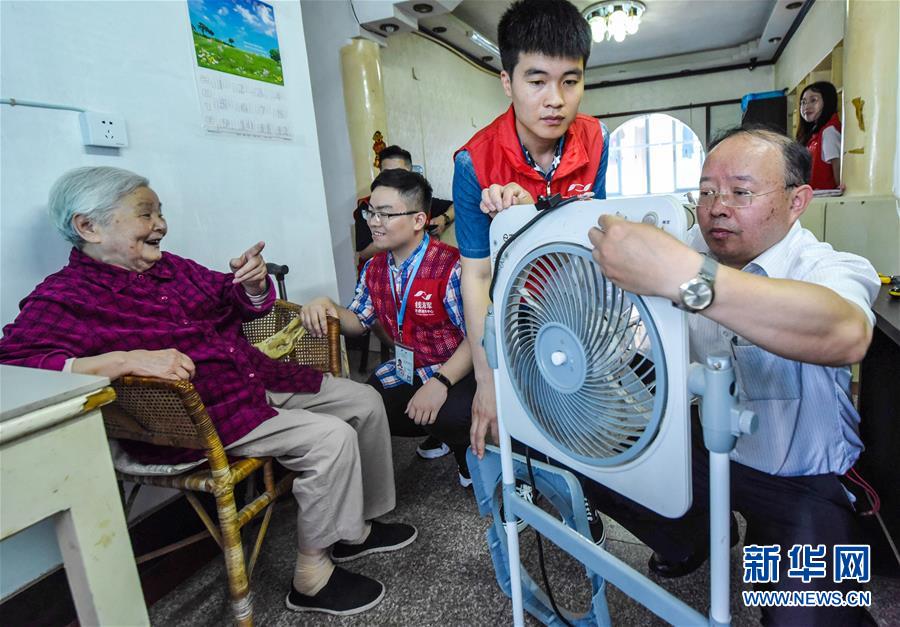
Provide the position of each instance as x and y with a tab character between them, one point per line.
383	218
738	199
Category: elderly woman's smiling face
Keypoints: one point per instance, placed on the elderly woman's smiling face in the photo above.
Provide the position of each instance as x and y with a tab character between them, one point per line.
130	237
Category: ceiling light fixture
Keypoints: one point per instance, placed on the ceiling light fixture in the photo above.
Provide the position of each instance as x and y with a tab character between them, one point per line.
422	7
793	6
439	29
389	28
614	19
483	41
774	40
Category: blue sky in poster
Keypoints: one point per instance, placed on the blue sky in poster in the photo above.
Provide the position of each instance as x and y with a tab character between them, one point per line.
250	23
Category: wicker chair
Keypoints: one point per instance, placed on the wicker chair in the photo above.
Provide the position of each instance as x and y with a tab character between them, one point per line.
170	413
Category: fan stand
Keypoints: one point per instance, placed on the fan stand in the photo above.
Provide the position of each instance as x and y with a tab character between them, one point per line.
560	488
722	420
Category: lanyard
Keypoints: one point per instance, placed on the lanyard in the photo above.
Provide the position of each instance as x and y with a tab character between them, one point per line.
401	310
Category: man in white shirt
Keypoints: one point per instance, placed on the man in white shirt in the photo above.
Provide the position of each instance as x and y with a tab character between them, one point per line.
792	313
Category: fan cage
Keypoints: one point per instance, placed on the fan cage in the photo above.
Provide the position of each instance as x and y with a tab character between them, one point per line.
608	407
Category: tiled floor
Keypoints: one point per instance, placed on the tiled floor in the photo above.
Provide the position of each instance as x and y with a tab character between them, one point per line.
446	577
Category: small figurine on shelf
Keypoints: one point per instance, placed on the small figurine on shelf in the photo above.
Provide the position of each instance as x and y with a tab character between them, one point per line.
378	146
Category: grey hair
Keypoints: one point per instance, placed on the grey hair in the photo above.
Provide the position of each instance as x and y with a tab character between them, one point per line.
797	160
89	191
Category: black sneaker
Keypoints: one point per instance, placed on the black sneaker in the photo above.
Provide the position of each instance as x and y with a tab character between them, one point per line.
432	448
465	479
669	569
595	523
383	538
526	492
345	594
666	568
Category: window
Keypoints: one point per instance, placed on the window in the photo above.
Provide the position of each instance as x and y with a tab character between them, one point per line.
653	154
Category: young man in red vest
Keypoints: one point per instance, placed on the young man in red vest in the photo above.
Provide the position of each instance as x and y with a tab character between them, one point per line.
413	288
539	147
441	217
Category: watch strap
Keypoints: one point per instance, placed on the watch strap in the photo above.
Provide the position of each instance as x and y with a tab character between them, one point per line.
707	274
708	269
442	379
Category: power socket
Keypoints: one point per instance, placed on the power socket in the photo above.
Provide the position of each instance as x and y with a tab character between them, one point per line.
103	129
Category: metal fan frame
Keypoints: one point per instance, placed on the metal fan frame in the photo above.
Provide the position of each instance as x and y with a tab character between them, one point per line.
660	393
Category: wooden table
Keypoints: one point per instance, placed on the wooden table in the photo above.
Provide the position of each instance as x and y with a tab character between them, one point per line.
879	408
55	463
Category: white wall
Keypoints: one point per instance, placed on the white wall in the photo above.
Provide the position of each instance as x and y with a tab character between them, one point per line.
220	193
328	26
661	94
435	101
821	30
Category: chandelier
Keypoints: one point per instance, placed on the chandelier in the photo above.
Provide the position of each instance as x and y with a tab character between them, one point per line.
614	19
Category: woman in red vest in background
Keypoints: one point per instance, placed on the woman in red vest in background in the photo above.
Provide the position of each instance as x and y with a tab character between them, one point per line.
820	132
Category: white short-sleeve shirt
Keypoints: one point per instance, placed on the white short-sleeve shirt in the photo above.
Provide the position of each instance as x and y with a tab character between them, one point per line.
807	422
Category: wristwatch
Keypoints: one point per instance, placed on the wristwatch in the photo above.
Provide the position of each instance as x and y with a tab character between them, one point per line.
698	293
442	379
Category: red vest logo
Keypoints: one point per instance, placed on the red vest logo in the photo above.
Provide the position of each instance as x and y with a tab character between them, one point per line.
422	304
579	188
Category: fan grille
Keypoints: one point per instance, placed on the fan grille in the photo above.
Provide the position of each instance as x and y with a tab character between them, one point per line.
584	356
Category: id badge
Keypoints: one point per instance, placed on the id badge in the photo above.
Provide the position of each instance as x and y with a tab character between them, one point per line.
404	363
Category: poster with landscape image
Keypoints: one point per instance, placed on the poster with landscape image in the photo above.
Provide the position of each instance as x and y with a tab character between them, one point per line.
237	37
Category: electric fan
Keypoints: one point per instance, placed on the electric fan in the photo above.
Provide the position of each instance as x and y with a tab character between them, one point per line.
597	379
586	372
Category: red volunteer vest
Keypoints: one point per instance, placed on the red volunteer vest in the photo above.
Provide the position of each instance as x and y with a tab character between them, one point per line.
497	156
822	176
427	327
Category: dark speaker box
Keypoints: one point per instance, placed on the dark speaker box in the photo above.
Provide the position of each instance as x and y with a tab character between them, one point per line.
768	112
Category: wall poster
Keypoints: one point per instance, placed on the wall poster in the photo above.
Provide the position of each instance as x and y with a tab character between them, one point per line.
240	80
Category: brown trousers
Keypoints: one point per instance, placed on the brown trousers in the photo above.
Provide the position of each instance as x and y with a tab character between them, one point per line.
338	442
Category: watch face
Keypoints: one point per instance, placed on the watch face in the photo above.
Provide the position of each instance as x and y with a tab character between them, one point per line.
697	295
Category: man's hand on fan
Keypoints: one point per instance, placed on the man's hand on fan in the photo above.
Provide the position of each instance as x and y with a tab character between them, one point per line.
314	315
641	258
425	404
484	418
496	198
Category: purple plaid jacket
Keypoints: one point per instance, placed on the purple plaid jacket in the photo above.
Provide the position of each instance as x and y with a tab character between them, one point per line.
90	308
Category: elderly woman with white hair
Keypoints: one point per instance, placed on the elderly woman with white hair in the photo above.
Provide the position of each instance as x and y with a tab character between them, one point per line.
122	306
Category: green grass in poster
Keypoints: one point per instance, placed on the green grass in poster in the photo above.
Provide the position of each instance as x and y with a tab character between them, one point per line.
215	55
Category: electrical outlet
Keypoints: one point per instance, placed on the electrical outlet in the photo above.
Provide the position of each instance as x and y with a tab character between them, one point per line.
103	129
